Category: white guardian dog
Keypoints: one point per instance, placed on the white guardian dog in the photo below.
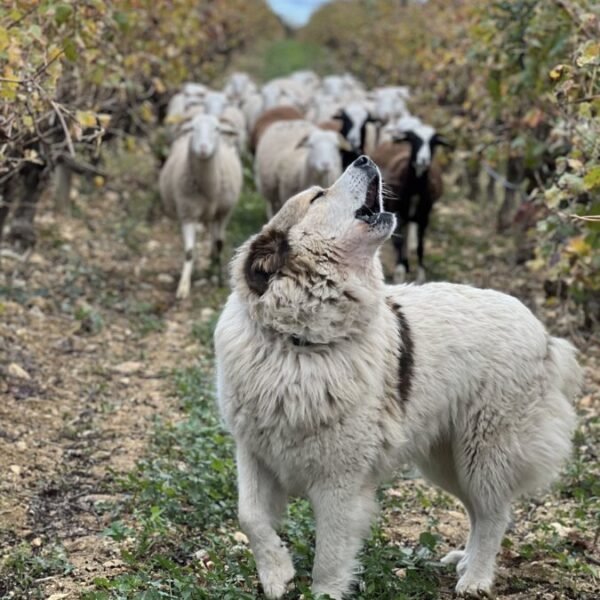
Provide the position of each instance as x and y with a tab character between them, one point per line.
329	380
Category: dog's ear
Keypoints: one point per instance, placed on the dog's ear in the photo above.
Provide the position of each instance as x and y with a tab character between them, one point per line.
267	254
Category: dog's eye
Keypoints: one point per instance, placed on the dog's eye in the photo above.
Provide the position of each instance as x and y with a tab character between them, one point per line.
319	194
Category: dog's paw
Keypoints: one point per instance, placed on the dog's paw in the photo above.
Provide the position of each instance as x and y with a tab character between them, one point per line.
275	576
469	587
453	557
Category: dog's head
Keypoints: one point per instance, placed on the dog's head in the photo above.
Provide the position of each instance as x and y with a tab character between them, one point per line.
313	270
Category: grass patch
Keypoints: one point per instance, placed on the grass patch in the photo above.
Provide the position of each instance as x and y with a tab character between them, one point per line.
281	57
21	570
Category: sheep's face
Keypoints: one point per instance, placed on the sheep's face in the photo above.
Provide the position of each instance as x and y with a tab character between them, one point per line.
389	104
354	120
204	135
424	141
215	103
273	96
323	154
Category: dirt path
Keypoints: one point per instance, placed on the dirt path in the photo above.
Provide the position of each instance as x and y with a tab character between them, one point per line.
88	335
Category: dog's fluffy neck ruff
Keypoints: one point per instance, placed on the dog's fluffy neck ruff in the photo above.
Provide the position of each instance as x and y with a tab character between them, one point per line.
309	303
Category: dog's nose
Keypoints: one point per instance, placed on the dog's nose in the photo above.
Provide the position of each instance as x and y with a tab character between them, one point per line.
363	162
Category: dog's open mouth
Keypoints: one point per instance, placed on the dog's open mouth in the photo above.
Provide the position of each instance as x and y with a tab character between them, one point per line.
370	211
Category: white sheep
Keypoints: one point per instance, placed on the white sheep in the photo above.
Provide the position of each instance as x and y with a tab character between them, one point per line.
201	182
308	79
282	92
215	103
390	102
237	86
218	105
252	106
294	155
398	126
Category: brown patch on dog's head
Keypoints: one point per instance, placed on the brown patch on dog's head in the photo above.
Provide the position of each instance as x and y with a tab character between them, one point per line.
267	254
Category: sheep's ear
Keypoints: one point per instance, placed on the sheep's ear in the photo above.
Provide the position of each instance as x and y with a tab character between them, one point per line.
338	115
227	127
343	143
267	254
400	137
303	141
443	141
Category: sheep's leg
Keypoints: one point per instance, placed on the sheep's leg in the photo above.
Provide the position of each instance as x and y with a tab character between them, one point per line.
422	227
188	231
400	240
218	236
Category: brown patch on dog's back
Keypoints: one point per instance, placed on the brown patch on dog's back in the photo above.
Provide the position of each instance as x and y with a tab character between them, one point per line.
406	360
268	253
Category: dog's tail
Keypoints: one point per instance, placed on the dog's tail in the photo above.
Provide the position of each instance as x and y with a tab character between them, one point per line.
551	424
564	372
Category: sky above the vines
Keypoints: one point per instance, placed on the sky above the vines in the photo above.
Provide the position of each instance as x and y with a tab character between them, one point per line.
295	12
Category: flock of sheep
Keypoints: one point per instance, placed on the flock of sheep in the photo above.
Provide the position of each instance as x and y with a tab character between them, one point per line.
302	131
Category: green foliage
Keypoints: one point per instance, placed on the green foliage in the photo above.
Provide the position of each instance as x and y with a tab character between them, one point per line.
507	80
285	56
69	71
20	570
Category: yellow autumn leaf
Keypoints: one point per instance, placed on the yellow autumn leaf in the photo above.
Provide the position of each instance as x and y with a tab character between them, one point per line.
557	72
590	55
14	53
578	246
8	89
146	112
4	39
98	181
159	86
86	118
536	265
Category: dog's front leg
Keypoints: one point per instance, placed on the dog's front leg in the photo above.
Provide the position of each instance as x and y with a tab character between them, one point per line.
343	517
262	501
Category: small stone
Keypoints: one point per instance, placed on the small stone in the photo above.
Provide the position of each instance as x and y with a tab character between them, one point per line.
201	555
240	538
16	469
15	370
37	313
58	596
206	314
153	245
21	446
111	564
37	542
400	573
128	368
37	259
165	278
560	529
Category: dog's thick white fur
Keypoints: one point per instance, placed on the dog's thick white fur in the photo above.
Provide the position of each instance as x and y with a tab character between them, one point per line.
329	379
